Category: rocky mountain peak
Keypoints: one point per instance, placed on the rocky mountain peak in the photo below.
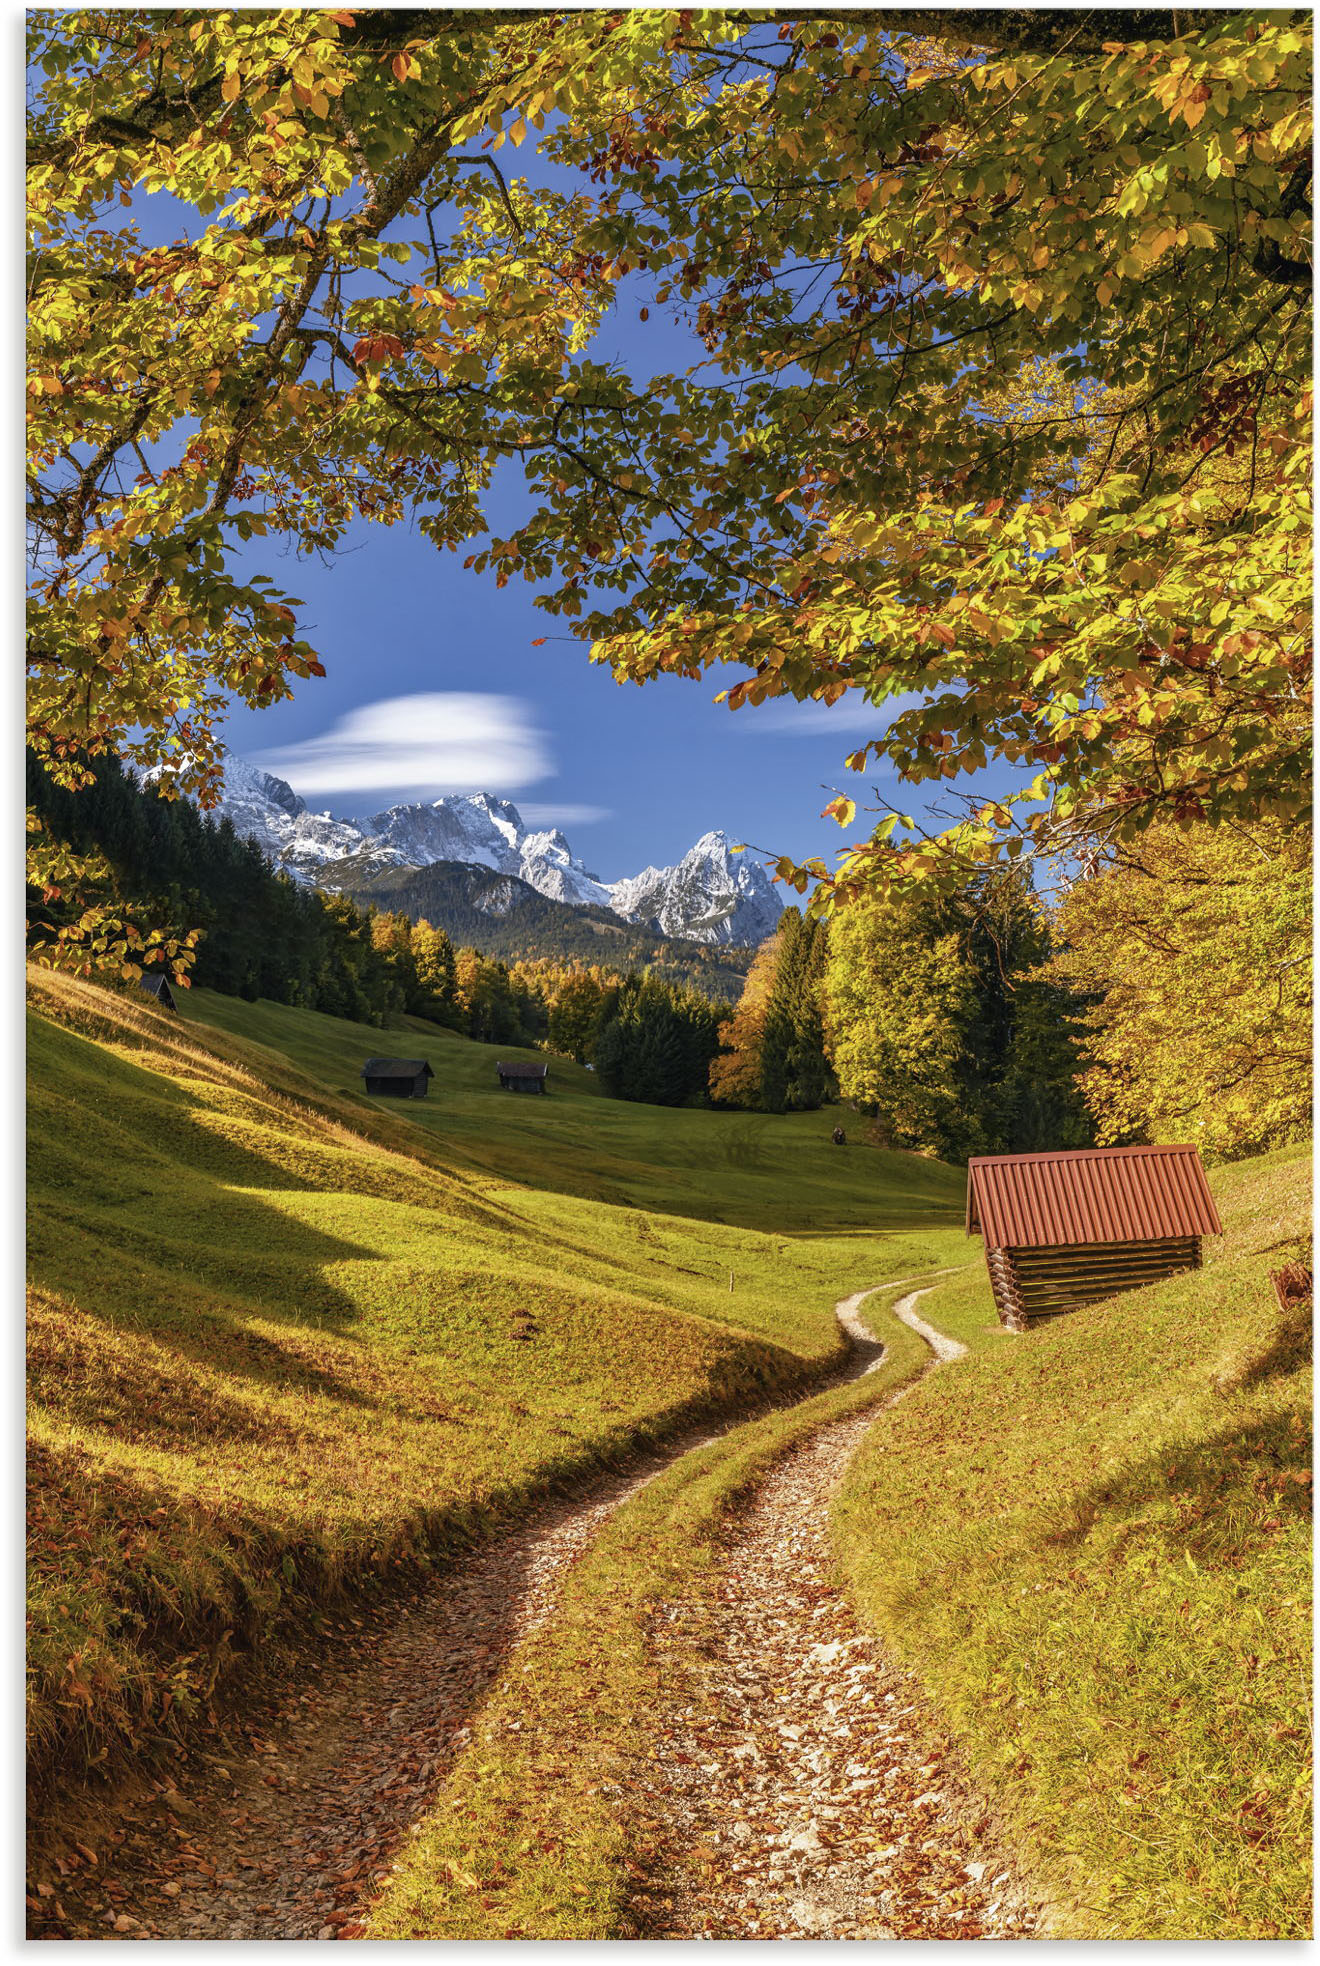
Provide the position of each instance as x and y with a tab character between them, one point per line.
711	895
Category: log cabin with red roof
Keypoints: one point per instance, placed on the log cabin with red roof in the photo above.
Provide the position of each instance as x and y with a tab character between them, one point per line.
1064	1230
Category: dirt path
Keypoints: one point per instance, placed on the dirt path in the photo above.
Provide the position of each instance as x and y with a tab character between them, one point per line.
288	1837
802	1794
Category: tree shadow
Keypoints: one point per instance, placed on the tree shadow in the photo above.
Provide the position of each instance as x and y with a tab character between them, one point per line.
1213	1499
151	1219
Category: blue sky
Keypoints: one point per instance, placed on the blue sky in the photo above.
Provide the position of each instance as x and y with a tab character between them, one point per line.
433	686
632	775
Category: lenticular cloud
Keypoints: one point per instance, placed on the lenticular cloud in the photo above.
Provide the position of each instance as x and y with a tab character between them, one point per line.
442	741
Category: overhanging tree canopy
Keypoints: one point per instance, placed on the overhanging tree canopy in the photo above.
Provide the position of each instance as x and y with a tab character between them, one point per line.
1002	402
1006	409
355	315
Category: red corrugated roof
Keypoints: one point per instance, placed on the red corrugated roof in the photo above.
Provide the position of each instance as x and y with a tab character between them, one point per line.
1101	1194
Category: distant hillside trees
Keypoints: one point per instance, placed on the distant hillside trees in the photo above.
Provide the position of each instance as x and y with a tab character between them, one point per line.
1195	949
258	934
436	974
186	878
655	1042
774	1058
575	1013
940	1026
505	918
498	1006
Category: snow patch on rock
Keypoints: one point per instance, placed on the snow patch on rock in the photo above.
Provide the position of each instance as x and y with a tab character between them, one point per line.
712	895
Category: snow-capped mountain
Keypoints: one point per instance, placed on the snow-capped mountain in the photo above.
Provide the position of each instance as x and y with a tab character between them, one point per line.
481	830
710	896
548	865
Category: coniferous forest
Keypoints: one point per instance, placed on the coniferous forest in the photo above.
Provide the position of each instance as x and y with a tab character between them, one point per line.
261	934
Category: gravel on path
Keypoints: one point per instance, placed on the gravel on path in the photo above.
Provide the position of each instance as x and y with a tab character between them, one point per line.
803	1793
289	1838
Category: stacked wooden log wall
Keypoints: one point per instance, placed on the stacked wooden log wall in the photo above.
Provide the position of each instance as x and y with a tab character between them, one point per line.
1032	1284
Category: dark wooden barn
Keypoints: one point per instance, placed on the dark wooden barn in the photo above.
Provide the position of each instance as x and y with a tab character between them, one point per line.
522	1078
1064	1230
159	988
397	1078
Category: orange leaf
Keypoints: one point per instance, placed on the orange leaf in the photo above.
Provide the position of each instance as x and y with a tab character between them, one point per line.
399	68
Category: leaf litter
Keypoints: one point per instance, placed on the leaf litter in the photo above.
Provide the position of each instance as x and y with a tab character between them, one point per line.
804	1792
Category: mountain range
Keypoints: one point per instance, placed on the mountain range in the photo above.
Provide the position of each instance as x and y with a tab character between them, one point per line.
712	895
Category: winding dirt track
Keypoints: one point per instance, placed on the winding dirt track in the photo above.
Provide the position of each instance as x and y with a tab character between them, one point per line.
802	1793
289	1837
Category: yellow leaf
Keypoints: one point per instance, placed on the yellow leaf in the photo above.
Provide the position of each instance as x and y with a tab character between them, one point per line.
232	87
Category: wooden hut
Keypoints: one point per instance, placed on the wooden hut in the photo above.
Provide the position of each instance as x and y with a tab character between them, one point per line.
397	1078
1063	1230
158	987
522	1078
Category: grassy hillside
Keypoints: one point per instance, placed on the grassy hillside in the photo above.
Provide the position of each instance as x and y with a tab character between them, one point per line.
1093	1543
285	1340
755	1170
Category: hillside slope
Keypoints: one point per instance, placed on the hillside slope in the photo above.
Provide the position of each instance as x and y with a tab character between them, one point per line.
776	1172
1093	1544
283	1343
503	916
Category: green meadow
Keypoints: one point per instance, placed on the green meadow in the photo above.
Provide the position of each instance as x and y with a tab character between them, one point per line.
1089	1543
1094	1546
287	1342
775	1172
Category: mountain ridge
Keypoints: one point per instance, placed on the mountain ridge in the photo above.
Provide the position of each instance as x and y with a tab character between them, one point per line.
710	896
507	918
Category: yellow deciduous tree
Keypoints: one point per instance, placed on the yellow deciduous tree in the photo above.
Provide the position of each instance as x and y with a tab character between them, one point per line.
1196	949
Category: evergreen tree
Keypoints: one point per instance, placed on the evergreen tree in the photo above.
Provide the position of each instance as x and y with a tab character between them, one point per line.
656	1042
795	1075
809	1081
777	1033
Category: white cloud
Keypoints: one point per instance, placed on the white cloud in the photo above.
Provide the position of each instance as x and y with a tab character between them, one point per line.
565	815
423	746
851	716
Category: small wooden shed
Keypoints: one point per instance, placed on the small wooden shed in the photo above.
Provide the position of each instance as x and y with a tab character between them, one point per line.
1064	1230
158	987
398	1078
522	1078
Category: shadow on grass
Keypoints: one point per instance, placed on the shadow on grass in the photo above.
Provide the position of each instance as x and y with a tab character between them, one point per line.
1214	1500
